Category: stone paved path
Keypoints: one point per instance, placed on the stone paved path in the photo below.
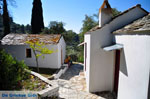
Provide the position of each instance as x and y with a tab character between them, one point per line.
72	84
72	71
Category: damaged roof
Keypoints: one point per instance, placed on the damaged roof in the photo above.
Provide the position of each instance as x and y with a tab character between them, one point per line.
142	24
95	28
138	5
20	39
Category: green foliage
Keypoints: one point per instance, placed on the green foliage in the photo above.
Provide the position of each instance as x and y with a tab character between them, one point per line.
28	29
81	57
115	12
11	71
45	31
33	83
88	23
56	27
37	17
14	27
6	21
75	53
71	38
39	49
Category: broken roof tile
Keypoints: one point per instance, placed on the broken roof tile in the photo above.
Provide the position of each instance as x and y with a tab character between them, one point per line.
142	24
20	39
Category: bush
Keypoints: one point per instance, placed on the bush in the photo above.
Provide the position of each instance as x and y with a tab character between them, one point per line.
81	59
11	71
76	53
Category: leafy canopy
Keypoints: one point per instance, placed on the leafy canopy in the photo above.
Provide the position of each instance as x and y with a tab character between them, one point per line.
56	27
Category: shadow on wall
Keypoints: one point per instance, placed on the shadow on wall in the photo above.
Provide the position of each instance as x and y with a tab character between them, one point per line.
123	66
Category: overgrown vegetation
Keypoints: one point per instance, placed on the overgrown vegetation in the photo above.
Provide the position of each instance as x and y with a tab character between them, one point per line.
33	83
11	71
14	77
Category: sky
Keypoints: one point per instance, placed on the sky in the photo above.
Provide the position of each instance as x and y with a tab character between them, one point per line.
71	12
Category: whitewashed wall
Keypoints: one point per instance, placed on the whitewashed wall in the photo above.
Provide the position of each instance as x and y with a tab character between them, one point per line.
134	66
50	61
104	17
87	61
100	72
61	45
101	62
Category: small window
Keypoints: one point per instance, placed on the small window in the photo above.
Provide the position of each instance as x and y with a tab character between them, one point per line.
28	53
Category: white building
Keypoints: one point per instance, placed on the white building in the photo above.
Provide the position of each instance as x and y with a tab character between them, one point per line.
134	74
106	55
15	44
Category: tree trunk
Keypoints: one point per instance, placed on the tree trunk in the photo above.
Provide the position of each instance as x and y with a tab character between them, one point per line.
37	65
36	59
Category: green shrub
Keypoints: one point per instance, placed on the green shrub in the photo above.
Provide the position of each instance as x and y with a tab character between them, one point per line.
11	71
81	59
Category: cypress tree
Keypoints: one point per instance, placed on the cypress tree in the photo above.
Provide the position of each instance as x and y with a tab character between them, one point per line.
6	23
37	23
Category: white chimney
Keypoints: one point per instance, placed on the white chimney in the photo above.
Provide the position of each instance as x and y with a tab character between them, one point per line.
105	13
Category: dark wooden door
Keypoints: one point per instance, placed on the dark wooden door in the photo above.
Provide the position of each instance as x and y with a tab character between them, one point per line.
116	75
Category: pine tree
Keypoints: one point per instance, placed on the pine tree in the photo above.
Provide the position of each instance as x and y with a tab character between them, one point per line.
37	23
6	20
